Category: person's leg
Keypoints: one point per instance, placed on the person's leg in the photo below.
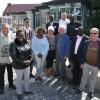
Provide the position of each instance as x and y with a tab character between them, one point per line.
86	70
19	74
31	69
10	75
63	68
26	78
38	66
75	70
2	71
50	58
57	72
94	73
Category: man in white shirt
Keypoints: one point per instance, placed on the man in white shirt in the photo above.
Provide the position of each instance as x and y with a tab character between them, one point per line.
64	21
77	48
29	33
5	59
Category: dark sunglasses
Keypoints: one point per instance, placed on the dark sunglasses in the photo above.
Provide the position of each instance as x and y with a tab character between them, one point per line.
94	33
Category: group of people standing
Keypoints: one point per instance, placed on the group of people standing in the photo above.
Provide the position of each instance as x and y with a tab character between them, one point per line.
63	40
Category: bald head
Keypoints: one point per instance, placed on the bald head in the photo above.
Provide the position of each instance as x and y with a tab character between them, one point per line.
94	34
5	29
94	30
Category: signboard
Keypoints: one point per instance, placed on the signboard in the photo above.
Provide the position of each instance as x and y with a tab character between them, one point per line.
8	20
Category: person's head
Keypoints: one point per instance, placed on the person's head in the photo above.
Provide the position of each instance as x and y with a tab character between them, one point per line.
20	35
26	22
5	29
63	16
51	18
94	34
40	31
61	29
72	18
80	31
51	30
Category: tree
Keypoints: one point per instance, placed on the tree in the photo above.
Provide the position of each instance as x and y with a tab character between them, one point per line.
92	13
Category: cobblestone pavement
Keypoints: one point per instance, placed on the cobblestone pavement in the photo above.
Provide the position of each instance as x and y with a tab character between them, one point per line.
50	89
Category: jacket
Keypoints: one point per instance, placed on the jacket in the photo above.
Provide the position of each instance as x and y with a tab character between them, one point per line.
20	52
4	49
80	48
63	45
83	58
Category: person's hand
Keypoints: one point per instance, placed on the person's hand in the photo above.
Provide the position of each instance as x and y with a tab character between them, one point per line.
27	62
82	65
40	55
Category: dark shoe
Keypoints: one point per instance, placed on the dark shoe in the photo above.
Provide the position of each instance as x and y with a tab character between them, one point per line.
56	75
78	91
12	86
91	94
1	91
28	92
75	86
19	97
32	76
63	78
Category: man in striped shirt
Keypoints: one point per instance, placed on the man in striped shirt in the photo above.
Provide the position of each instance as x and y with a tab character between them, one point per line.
29	33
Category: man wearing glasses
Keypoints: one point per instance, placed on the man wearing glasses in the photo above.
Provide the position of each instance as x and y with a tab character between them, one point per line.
90	62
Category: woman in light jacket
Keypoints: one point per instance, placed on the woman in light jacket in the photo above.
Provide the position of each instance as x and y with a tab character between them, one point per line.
40	47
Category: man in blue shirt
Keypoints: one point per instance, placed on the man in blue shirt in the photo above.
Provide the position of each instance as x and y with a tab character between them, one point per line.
62	51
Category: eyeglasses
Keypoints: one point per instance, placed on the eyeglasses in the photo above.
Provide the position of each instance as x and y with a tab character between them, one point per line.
94	33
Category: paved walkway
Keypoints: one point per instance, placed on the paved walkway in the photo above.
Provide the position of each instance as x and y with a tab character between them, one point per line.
50	89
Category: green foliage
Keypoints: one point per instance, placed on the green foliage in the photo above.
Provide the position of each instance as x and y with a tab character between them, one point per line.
94	18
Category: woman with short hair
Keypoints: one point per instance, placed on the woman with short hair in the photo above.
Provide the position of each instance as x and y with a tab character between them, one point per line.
52	50
40	47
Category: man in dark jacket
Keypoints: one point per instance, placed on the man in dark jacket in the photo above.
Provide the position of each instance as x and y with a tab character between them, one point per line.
52	23
72	27
77	48
90	61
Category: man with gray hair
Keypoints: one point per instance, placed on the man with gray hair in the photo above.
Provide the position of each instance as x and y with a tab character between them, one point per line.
90	61
64	20
62	51
5	59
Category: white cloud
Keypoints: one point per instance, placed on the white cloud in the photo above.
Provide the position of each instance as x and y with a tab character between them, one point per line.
3	3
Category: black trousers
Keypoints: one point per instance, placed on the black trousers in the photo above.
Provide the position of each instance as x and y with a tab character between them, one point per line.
50	57
2	72
77	71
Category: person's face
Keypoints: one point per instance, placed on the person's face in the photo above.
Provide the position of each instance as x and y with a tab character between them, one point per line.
5	30
63	16
80	32
50	32
61	30
72	18
51	18
26	24
20	36
40	33
94	36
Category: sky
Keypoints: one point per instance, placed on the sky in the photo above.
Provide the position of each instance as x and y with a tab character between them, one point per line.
3	3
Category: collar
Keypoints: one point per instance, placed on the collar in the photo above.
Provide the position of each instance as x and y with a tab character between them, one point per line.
79	36
4	35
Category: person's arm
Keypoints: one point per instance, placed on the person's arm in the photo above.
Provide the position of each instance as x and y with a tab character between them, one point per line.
68	47
46	46
83	56
34	44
